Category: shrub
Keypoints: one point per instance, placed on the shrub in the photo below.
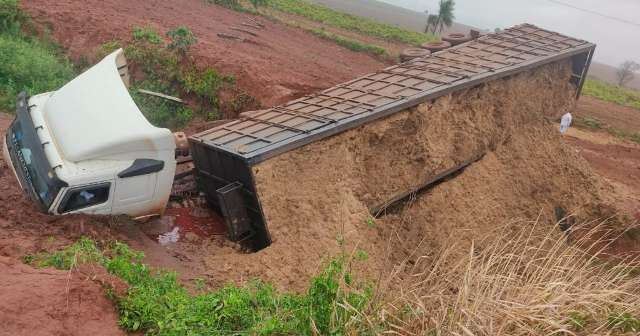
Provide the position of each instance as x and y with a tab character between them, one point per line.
167	69
10	16
181	39
31	66
159	111
205	84
26	64
146	34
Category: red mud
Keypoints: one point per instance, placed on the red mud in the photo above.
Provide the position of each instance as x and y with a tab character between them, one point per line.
190	223
201	221
51	302
616	160
285	63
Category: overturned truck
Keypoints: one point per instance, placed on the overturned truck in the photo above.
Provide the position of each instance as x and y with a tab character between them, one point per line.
383	134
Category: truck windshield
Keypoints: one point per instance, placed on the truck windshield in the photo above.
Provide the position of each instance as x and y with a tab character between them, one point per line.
29	160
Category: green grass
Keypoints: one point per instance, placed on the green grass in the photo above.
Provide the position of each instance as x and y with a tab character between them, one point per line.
595	124
589	123
635	137
624	322
349	22
157	304
350	44
159	111
26	63
612	93
168	68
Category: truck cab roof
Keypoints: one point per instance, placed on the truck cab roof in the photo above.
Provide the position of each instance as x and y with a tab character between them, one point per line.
93	117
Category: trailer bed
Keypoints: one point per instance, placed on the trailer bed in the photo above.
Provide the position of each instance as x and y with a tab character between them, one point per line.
225	154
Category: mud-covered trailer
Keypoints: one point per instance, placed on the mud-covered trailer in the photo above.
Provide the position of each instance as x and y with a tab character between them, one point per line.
227	157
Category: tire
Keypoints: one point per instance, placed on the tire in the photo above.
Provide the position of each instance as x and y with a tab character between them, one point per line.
412	53
436	46
457	38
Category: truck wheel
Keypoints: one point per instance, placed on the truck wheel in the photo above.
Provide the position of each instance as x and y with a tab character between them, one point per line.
436	46
411	53
457	38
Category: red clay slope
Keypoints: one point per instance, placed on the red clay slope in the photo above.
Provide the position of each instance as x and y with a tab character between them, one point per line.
40	302
285	63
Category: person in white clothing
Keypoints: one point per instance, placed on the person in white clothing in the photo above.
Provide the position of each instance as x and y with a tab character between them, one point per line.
565	122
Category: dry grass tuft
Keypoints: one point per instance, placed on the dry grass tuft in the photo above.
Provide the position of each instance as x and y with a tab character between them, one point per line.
520	283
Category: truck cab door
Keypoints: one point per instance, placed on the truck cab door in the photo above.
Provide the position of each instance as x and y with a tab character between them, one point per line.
134	195
95	199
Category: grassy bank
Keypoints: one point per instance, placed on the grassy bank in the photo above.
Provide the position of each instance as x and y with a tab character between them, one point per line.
612	93
594	124
27	62
349	22
155	303
521	282
348	43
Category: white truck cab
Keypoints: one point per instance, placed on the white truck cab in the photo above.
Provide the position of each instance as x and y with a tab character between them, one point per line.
87	147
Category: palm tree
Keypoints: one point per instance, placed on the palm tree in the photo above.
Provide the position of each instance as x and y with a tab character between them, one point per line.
445	15
432	22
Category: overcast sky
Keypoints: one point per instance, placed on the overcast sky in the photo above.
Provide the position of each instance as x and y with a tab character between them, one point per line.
614	25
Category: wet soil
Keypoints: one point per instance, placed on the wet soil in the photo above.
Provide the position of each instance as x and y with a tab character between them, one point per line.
282	64
50	302
616	160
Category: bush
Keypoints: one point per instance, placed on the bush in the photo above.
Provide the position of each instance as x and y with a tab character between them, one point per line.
31	66
26	64
146	35
205	84
159	111
167	69
181	39
10	16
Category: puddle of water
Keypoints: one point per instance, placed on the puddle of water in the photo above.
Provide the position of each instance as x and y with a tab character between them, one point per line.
178	222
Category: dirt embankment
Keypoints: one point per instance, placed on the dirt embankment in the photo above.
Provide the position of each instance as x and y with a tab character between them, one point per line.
282	64
616	160
50	302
